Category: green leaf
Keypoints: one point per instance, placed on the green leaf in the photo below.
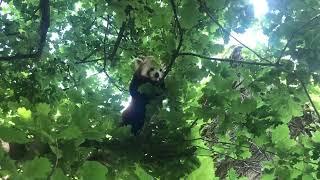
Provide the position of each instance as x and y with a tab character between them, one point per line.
268	177
189	7
37	168
142	174
232	174
293	109
24	113
13	135
307	177
72	132
43	109
205	171
87	108
216	4
297	170
247	106
286	106
316	137
281	138
58	175
245	153
8	166
93	170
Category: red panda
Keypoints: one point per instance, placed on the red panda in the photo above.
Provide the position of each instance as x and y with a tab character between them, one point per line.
145	72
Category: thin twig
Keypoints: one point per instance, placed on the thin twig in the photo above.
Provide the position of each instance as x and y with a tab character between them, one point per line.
11	34
56	162
180	32
206	9
113	53
113	82
238	84
19	56
75	85
293	35
72	77
89	61
227	60
193	123
89	55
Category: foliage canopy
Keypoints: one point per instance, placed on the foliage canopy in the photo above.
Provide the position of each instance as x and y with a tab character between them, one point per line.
65	67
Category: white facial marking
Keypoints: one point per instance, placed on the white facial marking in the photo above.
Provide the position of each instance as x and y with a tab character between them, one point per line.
147	68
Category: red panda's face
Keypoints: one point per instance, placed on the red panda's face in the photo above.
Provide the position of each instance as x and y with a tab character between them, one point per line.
147	68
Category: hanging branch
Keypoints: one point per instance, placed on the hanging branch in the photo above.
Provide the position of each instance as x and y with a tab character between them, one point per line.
180	32
116	45
293	35
207	11
227	60
43	29
114	51
104	42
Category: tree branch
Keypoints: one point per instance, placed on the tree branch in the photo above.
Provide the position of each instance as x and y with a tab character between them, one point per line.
177	50
116	45
104	43
206	9
44	23
309	97
89	55
56	162
194	122
113	82
89	61
293	35
19	56
43	29
228	60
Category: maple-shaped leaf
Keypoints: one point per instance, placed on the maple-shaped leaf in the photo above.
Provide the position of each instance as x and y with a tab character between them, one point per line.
24	113
38	168
43	109
93	170
281	138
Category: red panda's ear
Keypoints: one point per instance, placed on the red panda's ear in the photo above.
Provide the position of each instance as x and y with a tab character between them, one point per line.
138	61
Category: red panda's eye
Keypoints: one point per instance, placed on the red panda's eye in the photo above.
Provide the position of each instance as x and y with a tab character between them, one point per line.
151	69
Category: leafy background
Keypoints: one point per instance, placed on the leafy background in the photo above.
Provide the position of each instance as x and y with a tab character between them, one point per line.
65	67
